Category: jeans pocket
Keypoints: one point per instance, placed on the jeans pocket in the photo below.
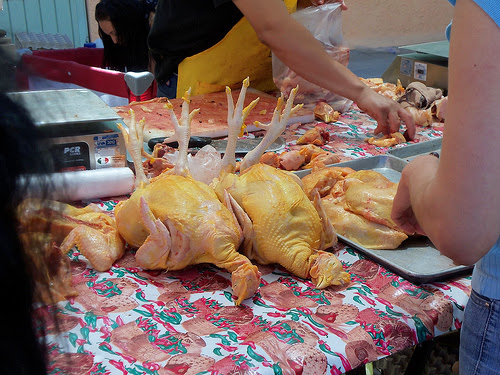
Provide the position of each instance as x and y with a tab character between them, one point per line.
480	300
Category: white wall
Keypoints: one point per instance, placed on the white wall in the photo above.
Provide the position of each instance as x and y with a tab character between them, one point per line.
383	23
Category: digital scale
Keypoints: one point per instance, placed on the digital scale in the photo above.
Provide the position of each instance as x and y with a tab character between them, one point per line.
82	129
427	64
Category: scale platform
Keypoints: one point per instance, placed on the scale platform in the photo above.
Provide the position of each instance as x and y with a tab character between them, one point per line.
427	64
82	129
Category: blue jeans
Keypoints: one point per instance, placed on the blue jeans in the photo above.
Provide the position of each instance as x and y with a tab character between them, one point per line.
480	337
168	89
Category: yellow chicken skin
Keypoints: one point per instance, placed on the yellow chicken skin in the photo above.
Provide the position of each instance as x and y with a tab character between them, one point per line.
355	227
176	221
323	180
283	225
373	203
359	206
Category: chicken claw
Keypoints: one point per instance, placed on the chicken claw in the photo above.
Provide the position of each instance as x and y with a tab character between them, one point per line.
134	143
246	281
327	270
235	121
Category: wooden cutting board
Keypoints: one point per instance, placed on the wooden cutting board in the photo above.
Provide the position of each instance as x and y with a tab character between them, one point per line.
211	121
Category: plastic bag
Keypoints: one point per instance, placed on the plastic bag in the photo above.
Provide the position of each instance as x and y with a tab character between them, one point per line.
325	24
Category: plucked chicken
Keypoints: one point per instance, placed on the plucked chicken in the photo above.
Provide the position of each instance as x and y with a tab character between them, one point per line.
280	224
175	221
358	204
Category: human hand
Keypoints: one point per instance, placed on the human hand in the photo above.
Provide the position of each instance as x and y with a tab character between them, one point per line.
321	2
402	212
386	112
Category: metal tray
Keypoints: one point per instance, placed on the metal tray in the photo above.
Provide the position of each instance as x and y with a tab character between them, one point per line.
50	107
412	151
417	260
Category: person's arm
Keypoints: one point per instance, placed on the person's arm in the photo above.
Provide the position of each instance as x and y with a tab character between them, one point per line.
297	48
456	200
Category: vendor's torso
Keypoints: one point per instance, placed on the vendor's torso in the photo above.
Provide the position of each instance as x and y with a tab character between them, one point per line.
486	275
184	28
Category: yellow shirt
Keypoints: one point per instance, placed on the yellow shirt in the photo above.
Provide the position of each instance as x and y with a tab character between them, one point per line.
238	55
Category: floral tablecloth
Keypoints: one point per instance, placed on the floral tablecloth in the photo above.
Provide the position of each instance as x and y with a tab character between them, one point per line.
131	321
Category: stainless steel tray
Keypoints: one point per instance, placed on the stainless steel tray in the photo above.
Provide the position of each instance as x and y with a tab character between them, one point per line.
417	260
412	151
49	107
388	165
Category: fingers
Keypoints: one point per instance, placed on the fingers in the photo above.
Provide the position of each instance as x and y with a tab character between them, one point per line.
389	121
409	122
394	121
321	2
382	124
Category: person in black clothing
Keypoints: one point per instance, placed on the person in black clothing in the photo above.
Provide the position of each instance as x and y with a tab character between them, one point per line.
183	29
207	45
123	27
22	347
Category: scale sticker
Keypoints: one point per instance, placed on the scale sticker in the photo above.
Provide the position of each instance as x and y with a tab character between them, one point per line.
420	71
406	67
107	151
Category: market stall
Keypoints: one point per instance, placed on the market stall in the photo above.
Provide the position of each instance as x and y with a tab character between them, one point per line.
128	320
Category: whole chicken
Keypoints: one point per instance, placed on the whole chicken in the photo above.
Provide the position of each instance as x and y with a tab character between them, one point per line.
358	204
280	224
176	221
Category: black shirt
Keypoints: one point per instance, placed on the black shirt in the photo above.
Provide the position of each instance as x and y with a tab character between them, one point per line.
183	28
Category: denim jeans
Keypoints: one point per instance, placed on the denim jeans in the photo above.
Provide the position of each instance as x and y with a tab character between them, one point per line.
168	89
480	337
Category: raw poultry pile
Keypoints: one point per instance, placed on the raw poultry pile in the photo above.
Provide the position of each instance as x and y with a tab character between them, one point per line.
262	214
358	203
424	103
175	221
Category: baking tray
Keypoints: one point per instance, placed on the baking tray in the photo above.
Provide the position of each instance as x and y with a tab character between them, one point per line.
412	151
50	107
416	259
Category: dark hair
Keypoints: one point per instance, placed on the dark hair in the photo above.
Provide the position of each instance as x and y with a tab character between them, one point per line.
130	18
21	152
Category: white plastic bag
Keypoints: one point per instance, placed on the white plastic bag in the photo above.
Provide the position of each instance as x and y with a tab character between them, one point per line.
325	24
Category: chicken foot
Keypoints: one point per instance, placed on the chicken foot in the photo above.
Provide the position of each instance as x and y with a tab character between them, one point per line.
235	121
182	132
134	138
278	123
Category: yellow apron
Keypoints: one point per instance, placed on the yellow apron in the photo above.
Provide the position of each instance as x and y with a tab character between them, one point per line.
238	55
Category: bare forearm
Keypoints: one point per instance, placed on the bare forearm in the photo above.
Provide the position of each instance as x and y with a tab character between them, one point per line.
297	48
457	203
300	51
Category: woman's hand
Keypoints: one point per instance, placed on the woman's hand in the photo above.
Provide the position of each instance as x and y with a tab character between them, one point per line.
321	2
386	112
